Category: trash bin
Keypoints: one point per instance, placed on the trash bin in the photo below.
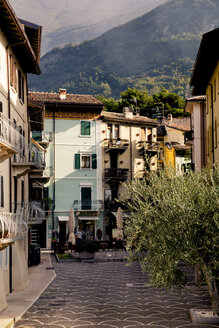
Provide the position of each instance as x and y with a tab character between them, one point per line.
34	255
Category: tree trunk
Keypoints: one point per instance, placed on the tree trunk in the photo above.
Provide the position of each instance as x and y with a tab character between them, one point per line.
213	288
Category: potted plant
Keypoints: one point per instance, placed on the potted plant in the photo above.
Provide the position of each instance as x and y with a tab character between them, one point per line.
86	250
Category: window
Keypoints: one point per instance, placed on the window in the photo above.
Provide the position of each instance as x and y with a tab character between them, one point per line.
1	107
6	258
13	73
215	132
85	161
85	128
21	86
1	191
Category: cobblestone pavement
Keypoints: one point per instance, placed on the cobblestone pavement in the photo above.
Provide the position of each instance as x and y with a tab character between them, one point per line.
110	295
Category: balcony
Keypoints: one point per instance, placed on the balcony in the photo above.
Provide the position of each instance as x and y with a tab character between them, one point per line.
33	212
116	144
90	207
29	159
42	137
11	140
116	175
12	228
145	147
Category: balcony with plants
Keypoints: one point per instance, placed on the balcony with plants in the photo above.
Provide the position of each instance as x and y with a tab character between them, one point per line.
115	144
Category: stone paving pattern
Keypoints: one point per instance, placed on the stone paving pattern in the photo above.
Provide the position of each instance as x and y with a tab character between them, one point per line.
110	295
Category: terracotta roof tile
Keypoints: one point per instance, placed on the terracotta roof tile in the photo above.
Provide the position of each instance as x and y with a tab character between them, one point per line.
121	117
46	97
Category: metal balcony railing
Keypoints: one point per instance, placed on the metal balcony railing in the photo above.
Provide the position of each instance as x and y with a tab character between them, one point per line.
116	174
12	226
88	205
42	136
148	146
10	135
30	155
116	144
47	172
33	212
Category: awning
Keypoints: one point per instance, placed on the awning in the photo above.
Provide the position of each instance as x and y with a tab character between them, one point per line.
88	218
63	218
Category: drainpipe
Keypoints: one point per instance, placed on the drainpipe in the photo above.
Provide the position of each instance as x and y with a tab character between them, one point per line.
130	139
212	122
54	190
9	168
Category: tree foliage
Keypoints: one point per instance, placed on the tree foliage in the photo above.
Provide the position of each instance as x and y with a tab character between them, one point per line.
152	106
174	219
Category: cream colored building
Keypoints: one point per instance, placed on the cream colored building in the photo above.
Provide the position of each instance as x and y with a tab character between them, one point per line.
205	81
18	57
196	137
127	139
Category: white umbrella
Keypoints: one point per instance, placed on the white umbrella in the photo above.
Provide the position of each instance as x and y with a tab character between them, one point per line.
119	222
71	226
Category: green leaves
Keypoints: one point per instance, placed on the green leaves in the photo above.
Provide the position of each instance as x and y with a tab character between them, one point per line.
175	219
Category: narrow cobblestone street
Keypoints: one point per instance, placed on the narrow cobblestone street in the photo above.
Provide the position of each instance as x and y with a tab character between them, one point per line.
110	295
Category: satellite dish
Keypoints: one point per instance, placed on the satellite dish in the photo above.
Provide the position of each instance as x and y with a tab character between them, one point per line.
168	145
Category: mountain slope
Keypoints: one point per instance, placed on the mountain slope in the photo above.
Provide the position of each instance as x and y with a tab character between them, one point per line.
155	49
76	21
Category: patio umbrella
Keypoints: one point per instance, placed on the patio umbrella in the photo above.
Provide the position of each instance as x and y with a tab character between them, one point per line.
71	226
119	222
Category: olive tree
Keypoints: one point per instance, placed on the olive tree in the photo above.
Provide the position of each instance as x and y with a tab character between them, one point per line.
175	219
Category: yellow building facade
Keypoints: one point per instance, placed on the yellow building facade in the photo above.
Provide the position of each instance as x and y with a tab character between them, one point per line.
205	81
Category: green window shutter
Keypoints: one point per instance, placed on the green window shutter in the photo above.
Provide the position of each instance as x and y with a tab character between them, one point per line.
77	161
94	161
86	198
85	128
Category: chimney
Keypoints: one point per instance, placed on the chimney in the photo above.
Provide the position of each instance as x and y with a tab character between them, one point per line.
62	94
170	118
128	112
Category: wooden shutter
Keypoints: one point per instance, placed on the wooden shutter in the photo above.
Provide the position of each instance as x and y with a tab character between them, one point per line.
94	161
86	198
85	128
77	161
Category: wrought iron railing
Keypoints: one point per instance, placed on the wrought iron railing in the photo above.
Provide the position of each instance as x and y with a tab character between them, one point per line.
10	134
88	205
30	154
12	226
42	136
119	174
47	172
116	143
33	212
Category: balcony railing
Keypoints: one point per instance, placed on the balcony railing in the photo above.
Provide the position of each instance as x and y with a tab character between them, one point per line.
150	146
33	212
47	172
116	174
42	136
12	227
88	205
30	155
10	136
116	144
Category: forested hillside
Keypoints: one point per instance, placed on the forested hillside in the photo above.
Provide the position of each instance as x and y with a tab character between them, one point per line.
75	21
155	50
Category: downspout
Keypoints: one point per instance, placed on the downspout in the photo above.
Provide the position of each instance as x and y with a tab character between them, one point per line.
54	190
10	173
212	123
130	139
